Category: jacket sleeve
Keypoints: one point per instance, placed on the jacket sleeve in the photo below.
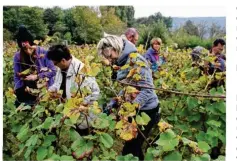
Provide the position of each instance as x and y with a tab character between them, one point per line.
222	62
145	93
57	82
143	96
49	64
95	90
122	74
17	69
148	57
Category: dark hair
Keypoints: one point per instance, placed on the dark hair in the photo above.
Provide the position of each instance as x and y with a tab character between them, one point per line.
26	60
23	35
58	52
218	41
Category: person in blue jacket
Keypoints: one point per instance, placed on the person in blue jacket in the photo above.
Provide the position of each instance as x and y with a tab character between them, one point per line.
117	51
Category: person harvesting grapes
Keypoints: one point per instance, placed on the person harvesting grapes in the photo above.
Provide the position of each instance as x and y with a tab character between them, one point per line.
68	71
153	54
123	53
30	66
131	34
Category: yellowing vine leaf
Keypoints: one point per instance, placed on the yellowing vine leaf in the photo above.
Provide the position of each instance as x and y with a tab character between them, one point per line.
130	90
137	77
132	72
165	86
126	130
73	108
95	108
163	126
133	55
95	69
141	64
125	67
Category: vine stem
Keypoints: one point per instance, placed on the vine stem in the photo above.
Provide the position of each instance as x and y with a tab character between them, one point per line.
79	83
210	80
86	117
155	138
89	130
183	150
175	92
58	139
147	39
111	89
27	64
139	130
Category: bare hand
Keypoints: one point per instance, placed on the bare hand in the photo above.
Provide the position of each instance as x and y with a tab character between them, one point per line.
31	77
217	65
206	63
52	90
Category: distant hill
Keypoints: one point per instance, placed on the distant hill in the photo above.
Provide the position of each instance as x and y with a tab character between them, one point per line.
179	21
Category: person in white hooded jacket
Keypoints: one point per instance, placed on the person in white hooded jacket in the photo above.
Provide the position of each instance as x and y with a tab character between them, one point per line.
68	68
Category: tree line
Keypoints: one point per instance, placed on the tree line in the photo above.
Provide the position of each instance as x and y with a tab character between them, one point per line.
86	24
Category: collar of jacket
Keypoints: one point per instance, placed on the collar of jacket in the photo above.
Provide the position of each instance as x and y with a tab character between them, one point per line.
74	67
152	51
127	49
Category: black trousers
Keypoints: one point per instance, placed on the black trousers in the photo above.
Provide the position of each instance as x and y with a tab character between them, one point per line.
24	97
134	146
83	132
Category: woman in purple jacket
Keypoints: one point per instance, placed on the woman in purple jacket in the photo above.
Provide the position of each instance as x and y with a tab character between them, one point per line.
152	54
33	58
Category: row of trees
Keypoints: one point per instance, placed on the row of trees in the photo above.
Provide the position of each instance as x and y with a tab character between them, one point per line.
85	24
79	24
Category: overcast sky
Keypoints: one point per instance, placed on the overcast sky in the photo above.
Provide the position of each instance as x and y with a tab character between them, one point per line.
185	11
175	11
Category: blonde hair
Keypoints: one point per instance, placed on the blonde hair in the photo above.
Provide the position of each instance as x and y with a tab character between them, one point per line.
156	40
109	41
